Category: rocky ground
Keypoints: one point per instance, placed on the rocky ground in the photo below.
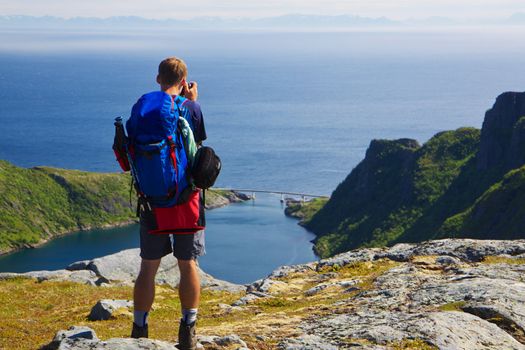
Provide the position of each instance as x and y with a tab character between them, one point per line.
447	294
220	198
121	268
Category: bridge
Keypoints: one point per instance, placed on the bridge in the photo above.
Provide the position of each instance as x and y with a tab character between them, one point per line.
303	196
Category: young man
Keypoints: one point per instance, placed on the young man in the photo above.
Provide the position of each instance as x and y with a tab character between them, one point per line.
186	248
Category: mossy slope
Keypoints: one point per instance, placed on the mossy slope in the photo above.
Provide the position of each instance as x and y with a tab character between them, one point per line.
393	189
461	183
39	203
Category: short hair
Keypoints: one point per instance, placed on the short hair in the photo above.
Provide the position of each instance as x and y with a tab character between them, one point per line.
172	70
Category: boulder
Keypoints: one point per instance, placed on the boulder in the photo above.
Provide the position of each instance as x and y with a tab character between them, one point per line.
115	344
503	133
84	277
413	301
123	267
73	334
249	298
228	340
104	309
467	250
306	342
84	338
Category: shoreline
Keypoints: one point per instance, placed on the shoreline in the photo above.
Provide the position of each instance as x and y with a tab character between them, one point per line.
4	253
229	198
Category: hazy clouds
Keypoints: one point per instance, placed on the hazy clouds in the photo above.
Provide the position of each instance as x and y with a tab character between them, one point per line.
395	9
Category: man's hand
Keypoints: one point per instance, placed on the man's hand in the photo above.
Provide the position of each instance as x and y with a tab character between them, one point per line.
190	93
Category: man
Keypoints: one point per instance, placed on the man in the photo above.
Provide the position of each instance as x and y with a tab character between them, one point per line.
172	75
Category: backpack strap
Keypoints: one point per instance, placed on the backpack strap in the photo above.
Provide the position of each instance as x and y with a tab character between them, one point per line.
173	156
175	104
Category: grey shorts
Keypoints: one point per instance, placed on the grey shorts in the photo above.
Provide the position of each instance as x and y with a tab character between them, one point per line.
184	246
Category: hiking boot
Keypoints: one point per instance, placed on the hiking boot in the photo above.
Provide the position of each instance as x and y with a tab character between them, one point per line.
139	332
187	339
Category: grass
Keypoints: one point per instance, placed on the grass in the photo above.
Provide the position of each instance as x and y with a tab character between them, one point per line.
499	212
411	344
503	260
305	211
403	192
30	322
296	303
454	306
40	203
33	312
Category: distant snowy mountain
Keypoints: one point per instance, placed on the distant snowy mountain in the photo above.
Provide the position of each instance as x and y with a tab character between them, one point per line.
289	21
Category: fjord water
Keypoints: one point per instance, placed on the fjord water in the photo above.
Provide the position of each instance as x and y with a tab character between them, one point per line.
245	242
286	111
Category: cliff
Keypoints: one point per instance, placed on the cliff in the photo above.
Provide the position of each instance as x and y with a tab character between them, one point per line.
461	183
41	203
457	294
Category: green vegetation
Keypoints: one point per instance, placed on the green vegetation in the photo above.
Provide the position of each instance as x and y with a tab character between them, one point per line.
454	306
411	344
464	183
43	314
503	260
305	210
498	212
41	203
20	314
401	191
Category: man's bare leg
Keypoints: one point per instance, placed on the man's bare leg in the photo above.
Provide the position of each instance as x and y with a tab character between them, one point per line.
144	291
189	287
189	293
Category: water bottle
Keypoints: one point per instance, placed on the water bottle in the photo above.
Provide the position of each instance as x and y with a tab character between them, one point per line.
120	143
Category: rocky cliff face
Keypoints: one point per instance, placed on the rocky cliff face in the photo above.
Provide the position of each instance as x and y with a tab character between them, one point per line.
445	294
503	134
387	164
458	184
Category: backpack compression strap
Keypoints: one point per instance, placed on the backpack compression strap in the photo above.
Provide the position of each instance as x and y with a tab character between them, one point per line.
173	157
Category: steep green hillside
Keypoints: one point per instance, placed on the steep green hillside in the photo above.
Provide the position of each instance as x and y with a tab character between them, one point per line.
39	203
499	212
452	186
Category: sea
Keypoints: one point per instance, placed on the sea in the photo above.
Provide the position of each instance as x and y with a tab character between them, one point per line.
286	111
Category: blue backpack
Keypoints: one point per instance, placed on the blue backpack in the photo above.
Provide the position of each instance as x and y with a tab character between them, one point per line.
156	145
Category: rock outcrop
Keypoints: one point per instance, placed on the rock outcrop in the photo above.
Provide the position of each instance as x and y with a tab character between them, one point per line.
446	294
84	338
217	198
106	308
459	294
464	183
386	162
503	134
122	268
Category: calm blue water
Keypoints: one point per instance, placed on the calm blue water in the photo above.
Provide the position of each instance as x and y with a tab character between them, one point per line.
285	111
290	111
244	242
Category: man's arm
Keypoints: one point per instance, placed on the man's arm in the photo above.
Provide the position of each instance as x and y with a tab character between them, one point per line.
199	131
190	90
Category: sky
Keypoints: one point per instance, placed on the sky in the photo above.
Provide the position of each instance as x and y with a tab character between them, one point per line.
162	9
